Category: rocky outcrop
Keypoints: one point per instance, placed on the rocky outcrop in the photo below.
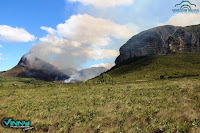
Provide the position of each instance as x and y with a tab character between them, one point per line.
161	40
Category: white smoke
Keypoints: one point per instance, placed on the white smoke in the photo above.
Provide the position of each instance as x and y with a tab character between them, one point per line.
75	77
86	74
79	39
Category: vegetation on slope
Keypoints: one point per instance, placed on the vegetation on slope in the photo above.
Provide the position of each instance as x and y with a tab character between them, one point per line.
154	94
160	105
155	67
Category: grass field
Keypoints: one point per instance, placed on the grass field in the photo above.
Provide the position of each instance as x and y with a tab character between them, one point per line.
129	99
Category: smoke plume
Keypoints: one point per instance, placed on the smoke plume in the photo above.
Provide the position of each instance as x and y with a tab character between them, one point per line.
79	39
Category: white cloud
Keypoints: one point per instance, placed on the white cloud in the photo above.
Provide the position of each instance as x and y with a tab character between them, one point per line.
79	39
10	34
96	54
48	30
184	19
133	28
180	19
104	3
1	46
106	65
86	29
59	41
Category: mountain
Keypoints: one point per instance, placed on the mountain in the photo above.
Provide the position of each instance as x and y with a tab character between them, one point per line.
163	52
29	67
86	74
35	68
160	41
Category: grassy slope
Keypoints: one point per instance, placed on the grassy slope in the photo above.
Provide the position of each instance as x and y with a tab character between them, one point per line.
14	72
125	105
159	67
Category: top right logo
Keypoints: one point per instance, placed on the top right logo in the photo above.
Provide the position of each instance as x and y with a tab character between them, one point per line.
186	7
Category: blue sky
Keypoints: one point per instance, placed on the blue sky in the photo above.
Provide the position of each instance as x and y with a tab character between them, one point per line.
26	17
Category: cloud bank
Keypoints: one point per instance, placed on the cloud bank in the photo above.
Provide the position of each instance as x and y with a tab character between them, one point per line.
184	19
10	34
104	3
181	19
79	39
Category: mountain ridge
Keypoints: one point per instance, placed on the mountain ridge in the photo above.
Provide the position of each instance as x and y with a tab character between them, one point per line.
158	41
39	69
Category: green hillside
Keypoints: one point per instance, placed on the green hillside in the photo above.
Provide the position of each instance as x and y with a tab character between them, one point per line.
156	67
153	95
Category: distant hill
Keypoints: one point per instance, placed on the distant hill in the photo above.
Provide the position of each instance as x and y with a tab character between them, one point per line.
86	74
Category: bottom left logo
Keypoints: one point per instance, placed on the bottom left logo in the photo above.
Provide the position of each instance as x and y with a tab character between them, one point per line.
10	123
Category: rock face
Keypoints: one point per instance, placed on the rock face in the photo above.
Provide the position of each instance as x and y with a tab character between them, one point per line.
37	68
86	74
161	40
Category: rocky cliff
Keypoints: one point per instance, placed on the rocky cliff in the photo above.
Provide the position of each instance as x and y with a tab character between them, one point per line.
161	40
